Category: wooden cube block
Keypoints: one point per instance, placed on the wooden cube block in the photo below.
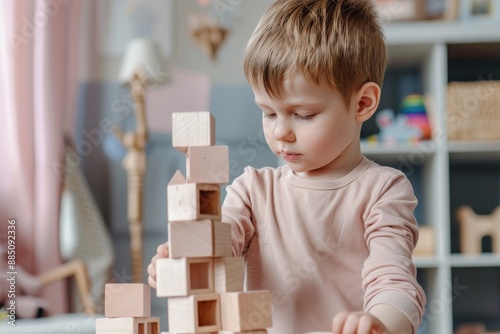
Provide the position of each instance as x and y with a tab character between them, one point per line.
200	238
193	201
184	277
259	331
194	314
192	129
128	325
207	164
127	300
229	274
245	311
222	239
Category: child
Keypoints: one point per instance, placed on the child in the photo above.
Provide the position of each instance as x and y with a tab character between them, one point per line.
330	233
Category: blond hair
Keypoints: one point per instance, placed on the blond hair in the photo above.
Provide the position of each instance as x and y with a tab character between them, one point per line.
338	41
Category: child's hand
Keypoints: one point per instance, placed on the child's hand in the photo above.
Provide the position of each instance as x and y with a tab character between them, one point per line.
357	323
161	252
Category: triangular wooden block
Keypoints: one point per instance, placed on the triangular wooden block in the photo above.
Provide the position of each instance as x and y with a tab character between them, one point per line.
178	178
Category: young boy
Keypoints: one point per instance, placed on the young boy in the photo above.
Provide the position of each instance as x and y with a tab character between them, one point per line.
330	233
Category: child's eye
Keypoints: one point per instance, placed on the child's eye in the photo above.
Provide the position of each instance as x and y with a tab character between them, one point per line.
269	115
305	117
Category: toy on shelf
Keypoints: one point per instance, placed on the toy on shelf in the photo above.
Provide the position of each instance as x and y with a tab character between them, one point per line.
410	125
395	129
474	227
426	242
413	106
200	278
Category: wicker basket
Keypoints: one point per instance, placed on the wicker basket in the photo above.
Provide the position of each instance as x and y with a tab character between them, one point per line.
473	111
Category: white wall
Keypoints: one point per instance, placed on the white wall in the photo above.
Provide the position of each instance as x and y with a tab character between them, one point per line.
228	68
229	65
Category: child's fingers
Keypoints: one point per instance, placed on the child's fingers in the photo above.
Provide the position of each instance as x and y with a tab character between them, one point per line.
151	282
163	250
351	324
338	322
367	325
152	268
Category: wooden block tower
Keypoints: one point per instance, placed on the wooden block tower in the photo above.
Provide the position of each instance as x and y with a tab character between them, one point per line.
201	279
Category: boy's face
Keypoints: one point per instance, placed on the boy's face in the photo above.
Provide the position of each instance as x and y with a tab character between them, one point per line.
311	128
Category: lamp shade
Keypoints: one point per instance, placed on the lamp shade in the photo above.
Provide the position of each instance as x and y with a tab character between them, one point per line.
142	54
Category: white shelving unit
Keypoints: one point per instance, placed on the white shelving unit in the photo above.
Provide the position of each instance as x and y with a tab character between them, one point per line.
426	46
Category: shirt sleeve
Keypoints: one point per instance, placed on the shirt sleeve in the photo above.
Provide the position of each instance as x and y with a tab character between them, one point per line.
391	233
236	210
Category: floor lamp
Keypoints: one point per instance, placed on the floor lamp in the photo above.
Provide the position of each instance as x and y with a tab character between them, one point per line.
140	69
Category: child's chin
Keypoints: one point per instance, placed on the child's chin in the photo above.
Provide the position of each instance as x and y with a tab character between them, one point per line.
298	169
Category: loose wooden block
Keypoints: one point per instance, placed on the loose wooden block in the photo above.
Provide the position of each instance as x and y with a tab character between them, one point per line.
194	314
192	129
200	238
229	274
193	201
207	164
127	300
425	244
474	227
259	331
245	311
184	277
128	325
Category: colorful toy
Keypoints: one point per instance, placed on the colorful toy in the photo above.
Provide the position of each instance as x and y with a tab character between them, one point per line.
395	129
413	106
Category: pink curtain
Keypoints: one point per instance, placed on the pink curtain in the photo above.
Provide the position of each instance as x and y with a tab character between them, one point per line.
38	85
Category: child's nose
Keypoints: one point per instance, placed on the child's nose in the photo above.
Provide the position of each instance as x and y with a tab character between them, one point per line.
283	131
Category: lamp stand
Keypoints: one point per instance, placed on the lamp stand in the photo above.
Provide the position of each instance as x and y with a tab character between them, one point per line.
135	165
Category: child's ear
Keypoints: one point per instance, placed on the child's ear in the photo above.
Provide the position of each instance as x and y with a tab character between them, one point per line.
367	99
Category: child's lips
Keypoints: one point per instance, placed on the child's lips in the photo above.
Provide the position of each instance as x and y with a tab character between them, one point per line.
290	156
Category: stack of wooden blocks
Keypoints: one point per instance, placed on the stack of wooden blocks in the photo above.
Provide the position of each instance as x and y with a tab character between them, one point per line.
201	279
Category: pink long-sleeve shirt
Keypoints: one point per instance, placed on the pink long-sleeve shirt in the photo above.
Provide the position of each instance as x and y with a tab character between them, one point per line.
322	247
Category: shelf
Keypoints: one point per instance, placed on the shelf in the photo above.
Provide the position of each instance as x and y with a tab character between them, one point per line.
466	261
445	174
392	151
474	151
431	32
426	262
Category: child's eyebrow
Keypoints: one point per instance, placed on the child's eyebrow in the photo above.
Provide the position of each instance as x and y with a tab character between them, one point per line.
292	105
